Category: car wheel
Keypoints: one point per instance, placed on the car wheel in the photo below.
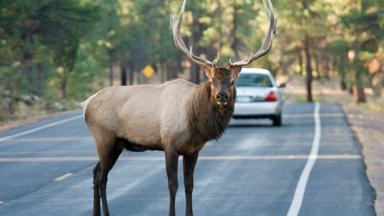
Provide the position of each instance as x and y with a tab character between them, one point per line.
277	121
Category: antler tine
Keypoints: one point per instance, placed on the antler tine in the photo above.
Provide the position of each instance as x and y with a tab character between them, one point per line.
267	5
179	43
216	60
267	42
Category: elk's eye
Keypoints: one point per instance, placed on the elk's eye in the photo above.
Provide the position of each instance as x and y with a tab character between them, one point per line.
232	82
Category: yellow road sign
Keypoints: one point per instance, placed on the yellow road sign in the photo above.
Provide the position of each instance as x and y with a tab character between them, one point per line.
148	71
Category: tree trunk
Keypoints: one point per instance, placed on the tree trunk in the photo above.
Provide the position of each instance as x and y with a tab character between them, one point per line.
63	92
317	65
111	74
110	68
343	84
138	78
308	69
161	72
27	64
327	66
358	87
63	85
171	71
131	75
11	105
359	94
195	74
300	57
342	66
195	70
123	75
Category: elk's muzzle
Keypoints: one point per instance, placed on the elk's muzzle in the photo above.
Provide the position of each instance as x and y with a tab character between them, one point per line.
222	98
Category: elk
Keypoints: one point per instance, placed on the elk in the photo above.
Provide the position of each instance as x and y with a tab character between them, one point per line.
177	117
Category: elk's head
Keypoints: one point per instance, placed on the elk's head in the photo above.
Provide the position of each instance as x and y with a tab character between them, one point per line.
222	79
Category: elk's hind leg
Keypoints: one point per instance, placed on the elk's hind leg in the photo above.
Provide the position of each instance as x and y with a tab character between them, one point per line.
108	158
108	151
96	190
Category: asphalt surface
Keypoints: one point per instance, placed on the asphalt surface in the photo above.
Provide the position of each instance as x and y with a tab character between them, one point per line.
254	169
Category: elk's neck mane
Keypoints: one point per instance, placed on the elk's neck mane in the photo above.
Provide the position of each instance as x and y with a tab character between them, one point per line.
205	117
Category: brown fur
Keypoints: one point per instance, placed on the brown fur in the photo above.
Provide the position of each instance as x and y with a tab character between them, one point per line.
177	117
206	119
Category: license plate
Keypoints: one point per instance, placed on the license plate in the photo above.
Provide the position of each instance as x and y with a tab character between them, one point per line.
243	99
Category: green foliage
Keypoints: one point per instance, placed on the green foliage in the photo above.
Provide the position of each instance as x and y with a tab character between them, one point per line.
37	38
15	87
364	22
87	74
61	48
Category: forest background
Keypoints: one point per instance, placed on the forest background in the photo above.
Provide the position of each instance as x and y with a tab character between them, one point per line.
55	53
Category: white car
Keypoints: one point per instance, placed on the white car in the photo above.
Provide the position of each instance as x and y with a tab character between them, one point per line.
258	96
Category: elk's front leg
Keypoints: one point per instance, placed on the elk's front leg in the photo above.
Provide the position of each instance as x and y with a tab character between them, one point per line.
189	162
171	162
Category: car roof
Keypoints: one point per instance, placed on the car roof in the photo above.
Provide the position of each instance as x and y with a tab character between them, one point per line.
256	71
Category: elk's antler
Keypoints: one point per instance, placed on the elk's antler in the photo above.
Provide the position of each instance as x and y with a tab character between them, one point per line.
176	26
267	42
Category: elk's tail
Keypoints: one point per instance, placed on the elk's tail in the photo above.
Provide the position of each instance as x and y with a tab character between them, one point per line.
85	103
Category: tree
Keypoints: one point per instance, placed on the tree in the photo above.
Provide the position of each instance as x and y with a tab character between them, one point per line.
339	49
53	26
305	33
365	23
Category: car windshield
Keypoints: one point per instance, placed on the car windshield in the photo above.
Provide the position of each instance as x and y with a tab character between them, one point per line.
254	80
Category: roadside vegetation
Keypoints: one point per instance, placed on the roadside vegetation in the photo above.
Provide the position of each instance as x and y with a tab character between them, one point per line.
329	91
55	53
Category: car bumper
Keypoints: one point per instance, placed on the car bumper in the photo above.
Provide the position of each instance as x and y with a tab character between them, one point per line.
257	109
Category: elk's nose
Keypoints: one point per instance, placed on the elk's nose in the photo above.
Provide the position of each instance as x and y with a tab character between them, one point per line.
222	96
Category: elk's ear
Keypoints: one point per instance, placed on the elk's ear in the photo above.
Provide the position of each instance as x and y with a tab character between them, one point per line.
235	70
210	72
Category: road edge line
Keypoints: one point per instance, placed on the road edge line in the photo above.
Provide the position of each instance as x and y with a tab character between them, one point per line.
2	139
297	200
64	176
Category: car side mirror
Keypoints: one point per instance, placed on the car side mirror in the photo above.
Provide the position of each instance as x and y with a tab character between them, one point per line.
282	85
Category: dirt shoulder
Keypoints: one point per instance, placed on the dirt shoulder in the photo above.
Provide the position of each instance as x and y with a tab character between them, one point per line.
369	128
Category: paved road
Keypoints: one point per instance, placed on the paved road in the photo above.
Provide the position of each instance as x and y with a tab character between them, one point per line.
255	169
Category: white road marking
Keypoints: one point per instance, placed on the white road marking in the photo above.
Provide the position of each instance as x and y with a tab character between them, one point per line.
206	158
50	139
1	202
310	115
302	184
281	157
66	175
40	128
